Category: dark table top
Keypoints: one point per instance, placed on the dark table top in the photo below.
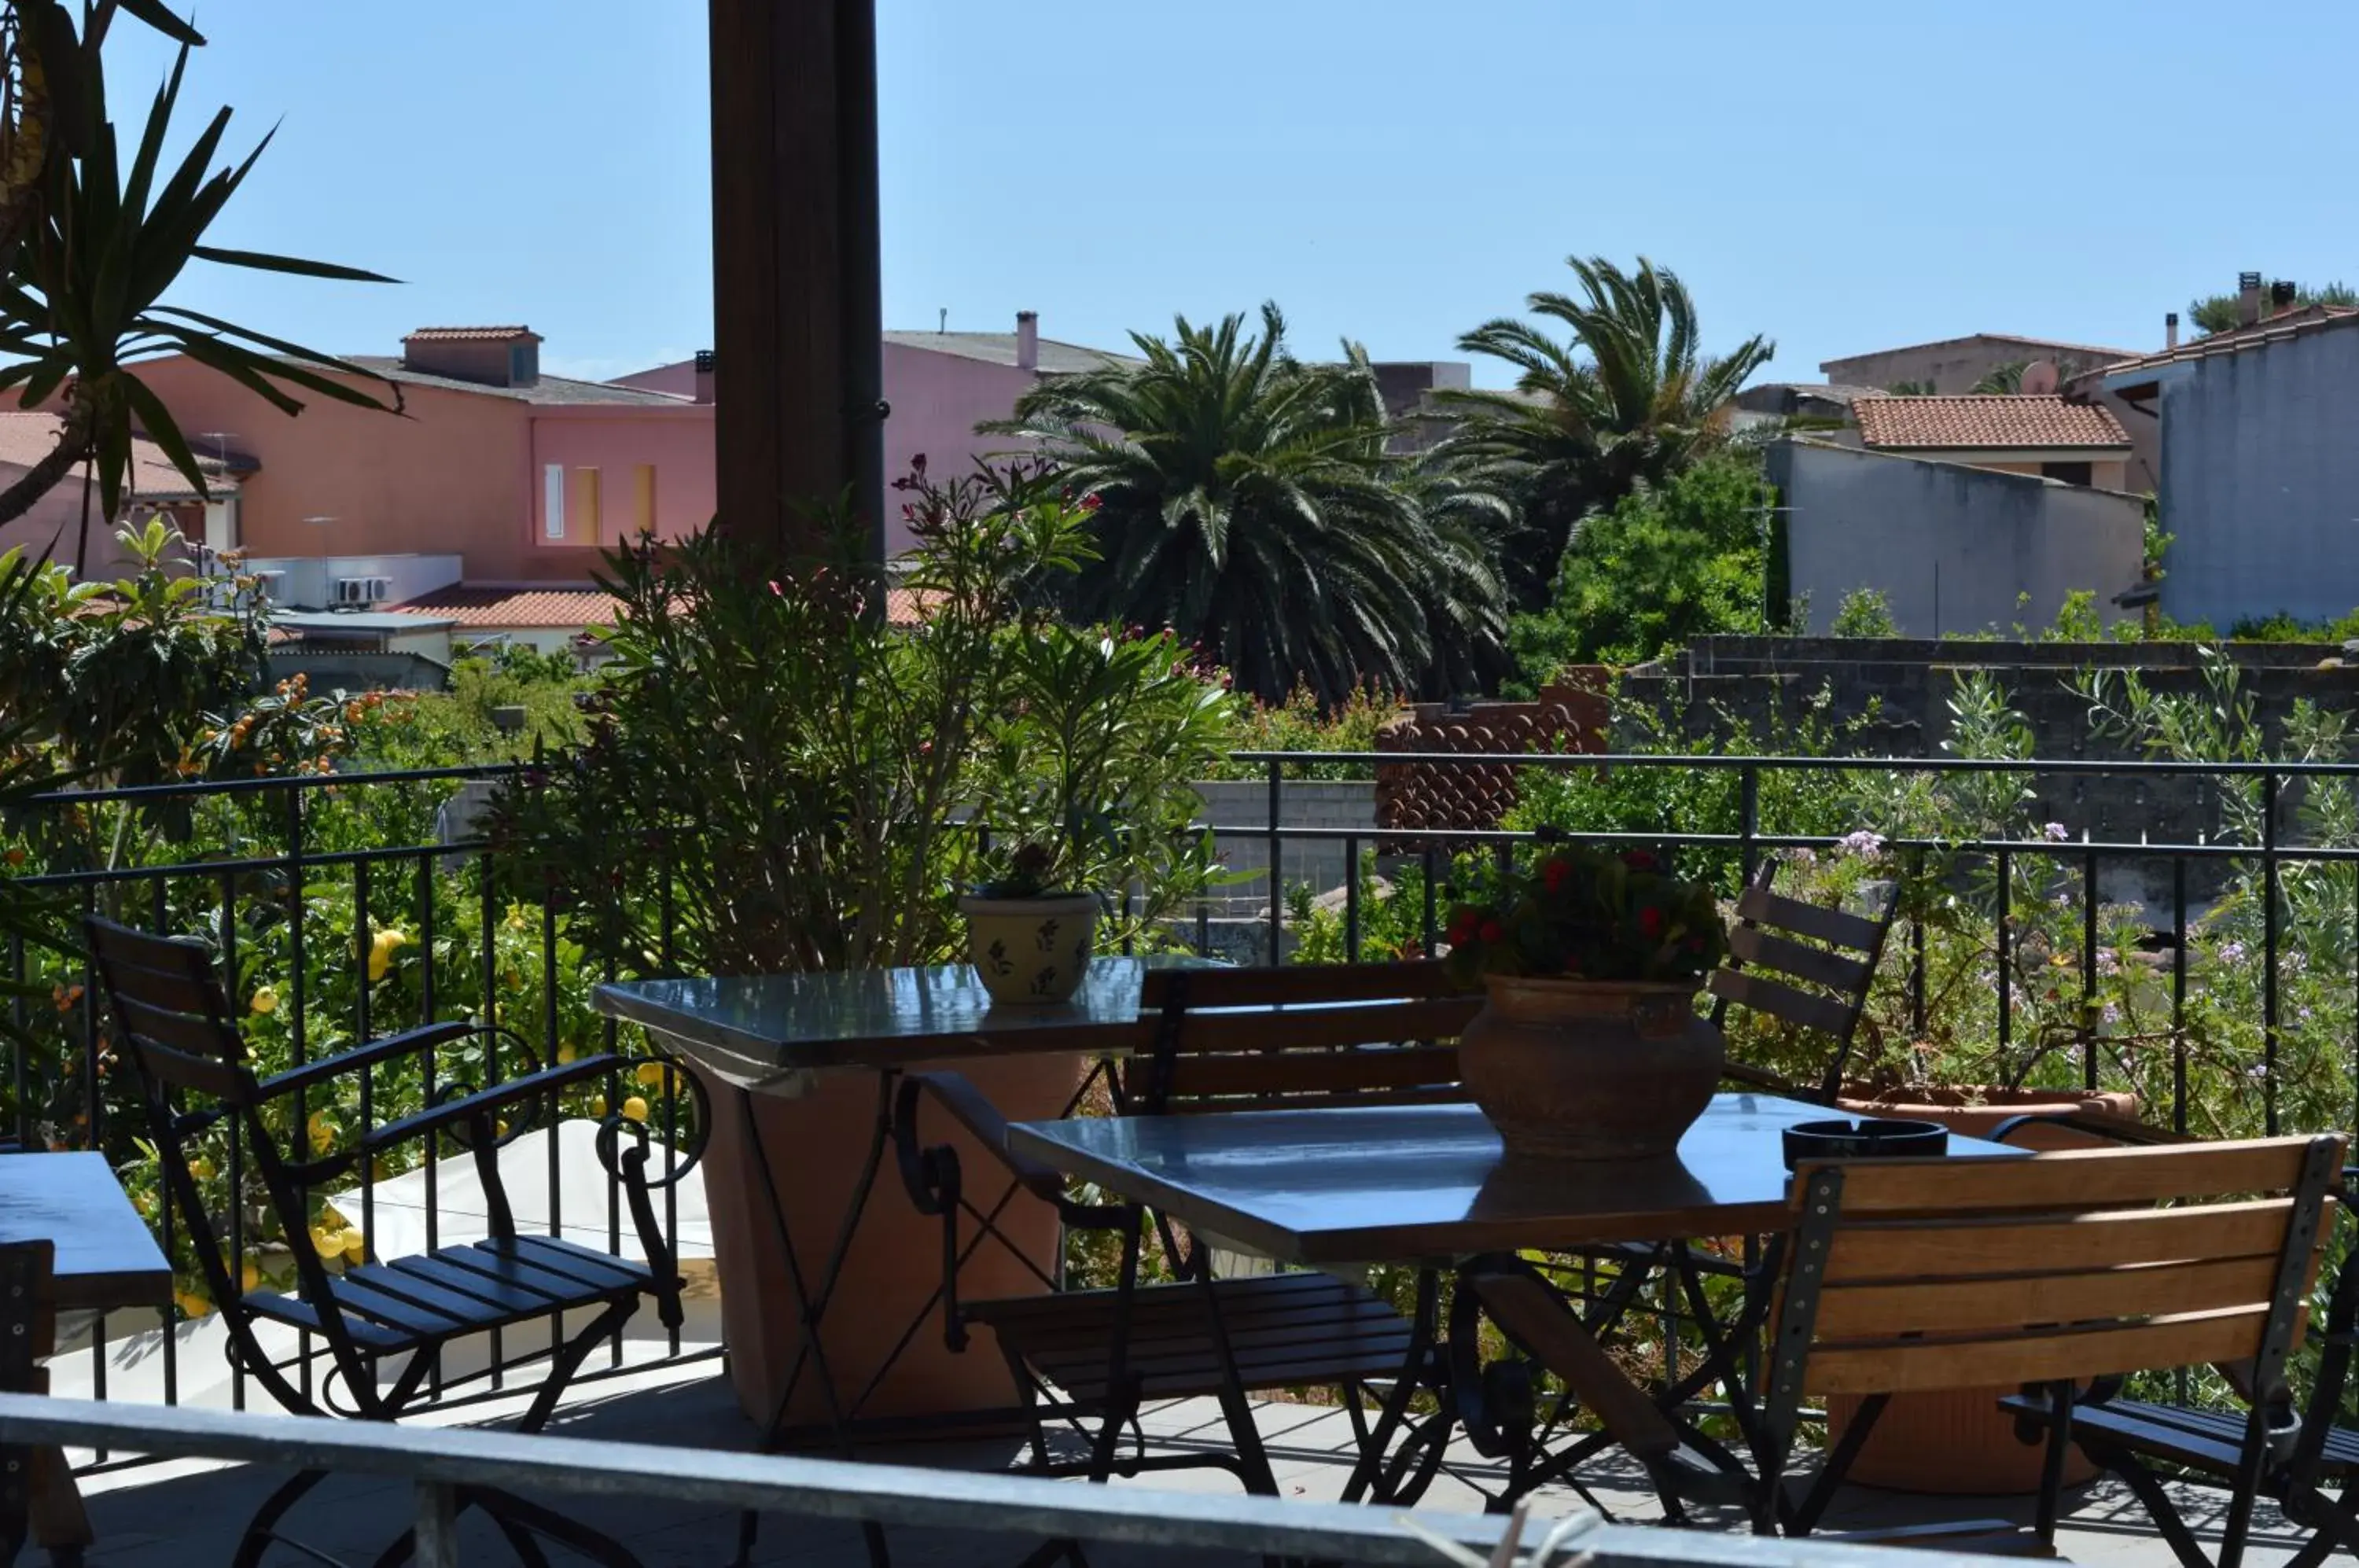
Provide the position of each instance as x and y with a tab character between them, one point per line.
106	1257
770	1031
1396	1184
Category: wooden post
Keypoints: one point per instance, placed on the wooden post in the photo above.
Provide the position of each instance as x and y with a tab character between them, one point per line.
797	305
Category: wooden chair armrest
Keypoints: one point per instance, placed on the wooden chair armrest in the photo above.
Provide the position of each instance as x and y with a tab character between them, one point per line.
385	1048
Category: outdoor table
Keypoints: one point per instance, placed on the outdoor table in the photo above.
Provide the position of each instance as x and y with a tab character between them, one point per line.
810	1064
1428	1185
105	1260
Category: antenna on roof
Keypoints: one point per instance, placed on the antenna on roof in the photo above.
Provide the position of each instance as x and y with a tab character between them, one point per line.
943	325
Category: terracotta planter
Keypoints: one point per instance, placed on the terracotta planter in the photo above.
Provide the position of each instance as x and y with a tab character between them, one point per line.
1031	952
1956	1441
1590	1070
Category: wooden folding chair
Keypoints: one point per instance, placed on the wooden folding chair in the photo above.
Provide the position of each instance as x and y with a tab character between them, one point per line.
1226	1040
173	1019
1804	964
2048	1272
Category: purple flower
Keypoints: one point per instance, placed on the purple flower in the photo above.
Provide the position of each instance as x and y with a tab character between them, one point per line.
1866	843
2054	832
2232	952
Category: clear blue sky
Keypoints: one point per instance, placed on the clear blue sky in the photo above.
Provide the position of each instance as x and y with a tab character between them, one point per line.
1840	176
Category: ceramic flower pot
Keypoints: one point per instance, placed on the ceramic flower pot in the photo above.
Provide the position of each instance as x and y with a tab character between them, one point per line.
1031	952
1590	1070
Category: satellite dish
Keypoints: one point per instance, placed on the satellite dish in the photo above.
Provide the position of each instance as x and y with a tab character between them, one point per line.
2040	377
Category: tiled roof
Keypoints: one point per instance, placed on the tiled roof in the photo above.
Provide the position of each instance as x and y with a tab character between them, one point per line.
2283	327
2042	347
27	437
548	390
1982	423
468	335
999	348
481	607
505	609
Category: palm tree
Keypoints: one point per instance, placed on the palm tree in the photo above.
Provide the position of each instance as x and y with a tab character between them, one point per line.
1248	501
1630	399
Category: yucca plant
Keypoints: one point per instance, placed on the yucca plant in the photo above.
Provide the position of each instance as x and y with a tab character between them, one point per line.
91	245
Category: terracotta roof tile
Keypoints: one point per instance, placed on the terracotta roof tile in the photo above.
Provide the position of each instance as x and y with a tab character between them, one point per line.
27	437
486	608
2283	327
468	335
1984	422
505	609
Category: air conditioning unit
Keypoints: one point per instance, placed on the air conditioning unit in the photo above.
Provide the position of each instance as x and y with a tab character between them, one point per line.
271	585
352	591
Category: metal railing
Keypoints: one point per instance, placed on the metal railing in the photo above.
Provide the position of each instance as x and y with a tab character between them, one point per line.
2078	866
437	1462
312	868
299	865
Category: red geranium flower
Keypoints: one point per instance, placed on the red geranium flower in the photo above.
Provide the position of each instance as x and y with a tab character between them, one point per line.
1553	875
1651	921
1492	930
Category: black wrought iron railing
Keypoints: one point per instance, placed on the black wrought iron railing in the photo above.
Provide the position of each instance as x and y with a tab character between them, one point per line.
2207	960
341	908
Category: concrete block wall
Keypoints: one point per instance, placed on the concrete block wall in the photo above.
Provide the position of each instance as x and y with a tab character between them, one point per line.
1306	803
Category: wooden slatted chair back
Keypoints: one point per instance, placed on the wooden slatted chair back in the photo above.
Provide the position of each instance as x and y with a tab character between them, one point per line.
1917	1274
1802	963
1300	1036
171	1011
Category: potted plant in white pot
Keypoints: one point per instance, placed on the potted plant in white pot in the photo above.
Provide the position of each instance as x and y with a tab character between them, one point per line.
1029	939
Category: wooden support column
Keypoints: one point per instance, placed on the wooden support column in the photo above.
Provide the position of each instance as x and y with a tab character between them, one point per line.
798	305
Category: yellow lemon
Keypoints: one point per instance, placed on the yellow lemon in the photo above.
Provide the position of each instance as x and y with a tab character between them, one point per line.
566	1051
500	1127
328	1242
250	1278
201	1168
323	1133
265	1000
635	1108
333	1216
650	1075
355	1246
597	1104
193	1304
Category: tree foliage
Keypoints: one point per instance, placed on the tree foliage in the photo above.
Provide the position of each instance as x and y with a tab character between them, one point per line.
2213	313
1627	399
1668	564
1249	502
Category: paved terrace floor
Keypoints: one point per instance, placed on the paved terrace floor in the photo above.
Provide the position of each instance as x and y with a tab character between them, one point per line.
187	1516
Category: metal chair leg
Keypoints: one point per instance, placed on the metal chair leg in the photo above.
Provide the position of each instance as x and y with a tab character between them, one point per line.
263	1529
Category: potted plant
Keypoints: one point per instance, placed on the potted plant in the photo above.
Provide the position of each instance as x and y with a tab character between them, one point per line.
1590	1046
1029	939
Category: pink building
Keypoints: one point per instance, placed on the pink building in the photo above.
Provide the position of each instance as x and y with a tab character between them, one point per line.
940	385
520	476
54	526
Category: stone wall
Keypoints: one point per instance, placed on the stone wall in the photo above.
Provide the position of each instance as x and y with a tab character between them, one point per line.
1905	684
1306	803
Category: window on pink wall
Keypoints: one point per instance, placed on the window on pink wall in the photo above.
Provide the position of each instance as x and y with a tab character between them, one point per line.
552	504
588	526
643	499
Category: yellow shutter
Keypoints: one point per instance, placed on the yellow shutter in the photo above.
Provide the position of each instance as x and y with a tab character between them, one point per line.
647	499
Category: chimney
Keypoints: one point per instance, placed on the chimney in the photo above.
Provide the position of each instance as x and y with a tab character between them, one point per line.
2282	295
2248	298
704	375
2170	330
1027	340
